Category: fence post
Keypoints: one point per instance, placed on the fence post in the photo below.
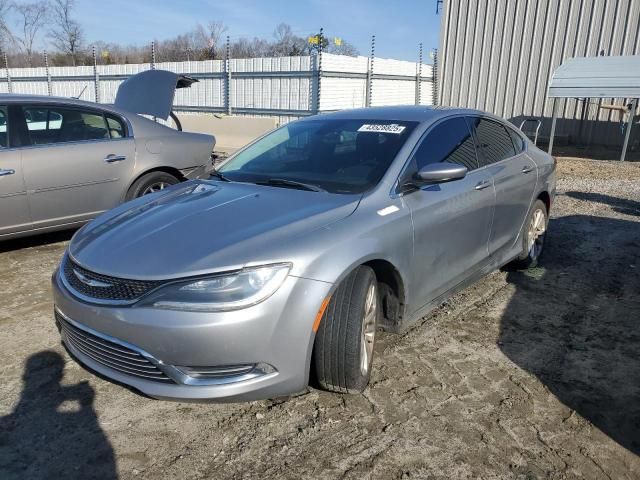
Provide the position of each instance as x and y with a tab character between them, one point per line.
319	71
369	87
6	68
153	55
227	85
96	78
434	78
313	82
46	69
419	76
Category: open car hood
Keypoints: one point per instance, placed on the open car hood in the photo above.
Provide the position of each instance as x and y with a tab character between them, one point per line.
151	92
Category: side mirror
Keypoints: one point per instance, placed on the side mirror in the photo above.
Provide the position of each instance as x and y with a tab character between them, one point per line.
441	172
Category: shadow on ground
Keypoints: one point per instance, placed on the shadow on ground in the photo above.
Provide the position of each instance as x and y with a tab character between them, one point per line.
53	432
573	321
620	205
35	240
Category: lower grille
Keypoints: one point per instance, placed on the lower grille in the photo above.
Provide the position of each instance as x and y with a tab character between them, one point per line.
110	354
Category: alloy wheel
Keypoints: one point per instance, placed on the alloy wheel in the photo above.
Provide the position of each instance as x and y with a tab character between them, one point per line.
155	187
537	230
368	328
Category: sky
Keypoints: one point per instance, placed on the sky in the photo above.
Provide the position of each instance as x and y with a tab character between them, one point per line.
399	25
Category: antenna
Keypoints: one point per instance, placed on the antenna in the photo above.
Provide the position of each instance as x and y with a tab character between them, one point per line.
81	92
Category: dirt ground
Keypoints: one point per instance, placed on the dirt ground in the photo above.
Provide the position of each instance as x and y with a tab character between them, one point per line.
524	375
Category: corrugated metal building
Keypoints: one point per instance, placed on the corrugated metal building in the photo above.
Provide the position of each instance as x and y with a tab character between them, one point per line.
498	56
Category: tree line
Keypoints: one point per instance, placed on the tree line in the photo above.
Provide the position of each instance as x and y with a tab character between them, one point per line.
27	29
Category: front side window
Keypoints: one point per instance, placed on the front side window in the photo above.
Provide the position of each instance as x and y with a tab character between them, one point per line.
449	141
495	143
338	155
47	125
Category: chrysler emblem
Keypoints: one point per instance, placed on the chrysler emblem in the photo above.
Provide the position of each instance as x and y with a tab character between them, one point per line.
88	281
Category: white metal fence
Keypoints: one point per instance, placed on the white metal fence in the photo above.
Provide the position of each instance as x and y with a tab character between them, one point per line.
283	87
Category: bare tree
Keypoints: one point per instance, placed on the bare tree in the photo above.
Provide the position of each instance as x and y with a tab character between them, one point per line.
344	48
32	19
208	40
286	43
5	33
67	34
215	30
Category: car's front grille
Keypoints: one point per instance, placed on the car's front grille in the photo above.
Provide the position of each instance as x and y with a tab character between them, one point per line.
104	287
110	354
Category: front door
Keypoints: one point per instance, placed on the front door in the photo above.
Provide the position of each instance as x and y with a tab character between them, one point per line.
14	207
451	220
73	168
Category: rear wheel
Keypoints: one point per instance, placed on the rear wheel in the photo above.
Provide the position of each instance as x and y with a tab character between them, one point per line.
150	183
534	236
343	349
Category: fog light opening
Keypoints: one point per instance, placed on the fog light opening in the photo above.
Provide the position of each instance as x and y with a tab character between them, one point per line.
223	374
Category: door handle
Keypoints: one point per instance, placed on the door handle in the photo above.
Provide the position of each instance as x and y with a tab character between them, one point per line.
111	158
482	185
527	169
8	171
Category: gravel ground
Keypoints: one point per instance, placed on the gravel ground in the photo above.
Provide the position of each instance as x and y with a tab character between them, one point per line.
523	375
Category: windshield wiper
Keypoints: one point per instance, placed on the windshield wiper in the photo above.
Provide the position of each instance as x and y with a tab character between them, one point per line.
219	175
283	182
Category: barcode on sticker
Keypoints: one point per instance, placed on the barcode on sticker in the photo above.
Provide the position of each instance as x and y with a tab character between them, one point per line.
382	128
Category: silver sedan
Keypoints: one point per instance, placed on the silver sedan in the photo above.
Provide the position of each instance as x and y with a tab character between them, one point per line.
64	161
283	266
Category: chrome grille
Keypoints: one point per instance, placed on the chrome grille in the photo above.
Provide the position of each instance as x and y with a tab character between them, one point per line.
104	287
110	354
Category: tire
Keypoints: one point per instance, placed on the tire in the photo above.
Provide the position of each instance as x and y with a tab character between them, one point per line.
151	182
342	356
535	229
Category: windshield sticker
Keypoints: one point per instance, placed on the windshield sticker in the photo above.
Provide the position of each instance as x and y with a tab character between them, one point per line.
382	128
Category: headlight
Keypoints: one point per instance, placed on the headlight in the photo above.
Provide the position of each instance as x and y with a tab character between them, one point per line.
221	293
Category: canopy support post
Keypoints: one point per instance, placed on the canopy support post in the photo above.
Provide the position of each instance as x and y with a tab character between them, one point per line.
627	134
553	124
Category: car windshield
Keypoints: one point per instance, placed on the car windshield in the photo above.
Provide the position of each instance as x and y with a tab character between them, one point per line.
337	155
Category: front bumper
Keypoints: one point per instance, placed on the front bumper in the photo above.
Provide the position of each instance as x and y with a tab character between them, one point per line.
274	336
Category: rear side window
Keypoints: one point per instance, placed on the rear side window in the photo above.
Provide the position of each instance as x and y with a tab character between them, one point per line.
449	141
518	141
47	125
116	127
495	143
4	123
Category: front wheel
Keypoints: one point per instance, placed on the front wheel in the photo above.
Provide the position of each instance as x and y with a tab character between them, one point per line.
534	236
343	348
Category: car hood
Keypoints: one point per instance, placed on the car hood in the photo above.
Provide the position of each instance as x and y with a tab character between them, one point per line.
151	92
202	227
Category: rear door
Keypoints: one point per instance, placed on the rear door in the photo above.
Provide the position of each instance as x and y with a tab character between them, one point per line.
451	220
14	207
514	177
77	162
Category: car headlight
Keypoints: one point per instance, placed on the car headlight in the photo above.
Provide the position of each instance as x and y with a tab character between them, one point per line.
221	293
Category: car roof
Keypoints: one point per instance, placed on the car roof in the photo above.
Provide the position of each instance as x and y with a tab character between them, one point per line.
408	113
20	98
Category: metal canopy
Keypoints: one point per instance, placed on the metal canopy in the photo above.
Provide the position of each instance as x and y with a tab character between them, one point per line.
597	77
